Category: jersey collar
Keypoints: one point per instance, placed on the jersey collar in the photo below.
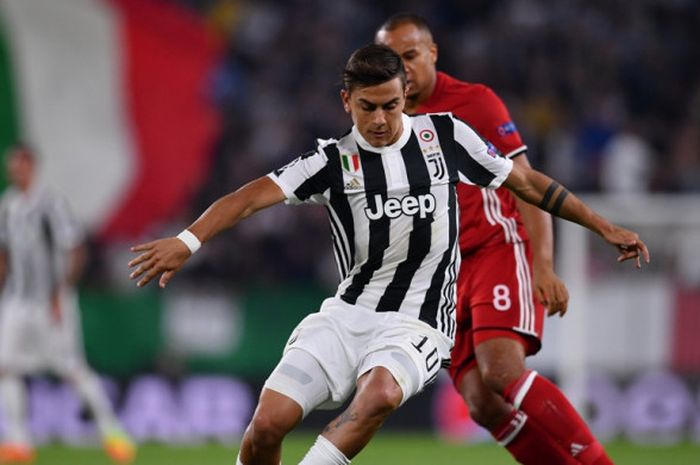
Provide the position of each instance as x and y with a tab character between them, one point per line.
407	124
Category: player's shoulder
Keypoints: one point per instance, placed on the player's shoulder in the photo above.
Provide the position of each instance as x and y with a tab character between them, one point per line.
7	194
6	198
451	85
322	145
482	93
422	121
431	114
52	201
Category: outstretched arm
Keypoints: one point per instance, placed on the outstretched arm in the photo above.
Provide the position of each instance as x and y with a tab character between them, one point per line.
549	289
166	256
541	190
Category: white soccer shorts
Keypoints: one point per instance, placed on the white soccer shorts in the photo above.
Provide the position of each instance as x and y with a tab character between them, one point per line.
31	341
329	350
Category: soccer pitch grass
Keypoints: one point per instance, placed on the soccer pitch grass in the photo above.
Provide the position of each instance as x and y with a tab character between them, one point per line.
385	449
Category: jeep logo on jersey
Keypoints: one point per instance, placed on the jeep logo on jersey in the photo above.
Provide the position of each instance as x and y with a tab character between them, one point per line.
422	205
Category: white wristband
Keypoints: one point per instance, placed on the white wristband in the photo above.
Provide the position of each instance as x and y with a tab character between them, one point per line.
190	240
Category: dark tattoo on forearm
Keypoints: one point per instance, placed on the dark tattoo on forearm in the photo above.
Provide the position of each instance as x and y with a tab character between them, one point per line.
345	417
558	199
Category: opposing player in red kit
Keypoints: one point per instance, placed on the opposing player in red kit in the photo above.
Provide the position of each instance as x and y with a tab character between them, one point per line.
499	319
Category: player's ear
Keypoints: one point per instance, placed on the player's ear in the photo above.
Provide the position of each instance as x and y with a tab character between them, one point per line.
345	98
433	52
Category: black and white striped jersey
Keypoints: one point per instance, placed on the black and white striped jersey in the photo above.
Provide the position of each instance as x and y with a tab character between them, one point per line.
393	211
37	229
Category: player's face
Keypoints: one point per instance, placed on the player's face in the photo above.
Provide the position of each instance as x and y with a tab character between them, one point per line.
419	54
19	168
376	111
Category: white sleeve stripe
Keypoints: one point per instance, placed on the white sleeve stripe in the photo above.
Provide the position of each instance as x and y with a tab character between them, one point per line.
514	153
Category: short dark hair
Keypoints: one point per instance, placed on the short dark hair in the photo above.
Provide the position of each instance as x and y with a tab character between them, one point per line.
373	65
399	19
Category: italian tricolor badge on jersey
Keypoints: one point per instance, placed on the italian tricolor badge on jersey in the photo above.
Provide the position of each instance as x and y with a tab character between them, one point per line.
351	162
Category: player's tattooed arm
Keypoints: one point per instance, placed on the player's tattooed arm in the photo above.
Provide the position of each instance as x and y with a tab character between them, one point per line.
541	190
553	198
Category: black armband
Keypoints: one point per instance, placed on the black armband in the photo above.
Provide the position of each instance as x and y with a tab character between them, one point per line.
558	200
548	195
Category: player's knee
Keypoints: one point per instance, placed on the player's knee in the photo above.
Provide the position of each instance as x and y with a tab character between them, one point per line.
266	430
480	408
379	400
499	377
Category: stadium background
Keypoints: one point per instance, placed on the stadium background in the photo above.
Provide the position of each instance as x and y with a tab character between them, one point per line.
144	111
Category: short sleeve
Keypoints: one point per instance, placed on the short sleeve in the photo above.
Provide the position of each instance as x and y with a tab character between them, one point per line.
478	162
68	232
305	179
496	125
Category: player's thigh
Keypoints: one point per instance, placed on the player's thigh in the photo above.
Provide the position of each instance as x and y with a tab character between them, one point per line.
23	341
66	353
300	377
413	356
317	369
378	392
463	356
276	413
502	295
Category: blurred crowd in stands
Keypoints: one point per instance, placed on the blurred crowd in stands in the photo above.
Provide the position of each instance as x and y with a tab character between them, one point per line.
606	94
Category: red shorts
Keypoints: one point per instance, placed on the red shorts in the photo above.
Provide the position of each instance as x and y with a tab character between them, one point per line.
495	298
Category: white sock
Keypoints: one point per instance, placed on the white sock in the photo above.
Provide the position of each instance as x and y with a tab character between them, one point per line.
324	452
13	396
88	386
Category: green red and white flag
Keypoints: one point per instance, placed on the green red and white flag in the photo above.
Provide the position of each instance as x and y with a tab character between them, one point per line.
351	162
113	96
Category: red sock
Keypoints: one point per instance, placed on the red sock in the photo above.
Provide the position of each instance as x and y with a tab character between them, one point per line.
547	406
528	443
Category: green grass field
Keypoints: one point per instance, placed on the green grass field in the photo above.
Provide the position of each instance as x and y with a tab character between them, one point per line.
385	449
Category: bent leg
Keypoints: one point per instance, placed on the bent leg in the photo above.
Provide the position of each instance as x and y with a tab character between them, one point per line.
88	386
296	387
275	416
550	409
502	365
487	408
502	360
13	397
377	396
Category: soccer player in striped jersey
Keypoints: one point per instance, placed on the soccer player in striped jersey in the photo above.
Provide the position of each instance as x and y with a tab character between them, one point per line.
389	186
41	256
499	322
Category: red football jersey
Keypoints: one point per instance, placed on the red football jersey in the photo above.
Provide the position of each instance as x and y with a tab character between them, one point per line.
486	216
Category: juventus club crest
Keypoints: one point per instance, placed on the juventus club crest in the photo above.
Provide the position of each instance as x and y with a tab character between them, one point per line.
437	163
432	153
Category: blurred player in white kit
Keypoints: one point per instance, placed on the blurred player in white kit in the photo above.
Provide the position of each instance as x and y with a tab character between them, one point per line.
41	258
